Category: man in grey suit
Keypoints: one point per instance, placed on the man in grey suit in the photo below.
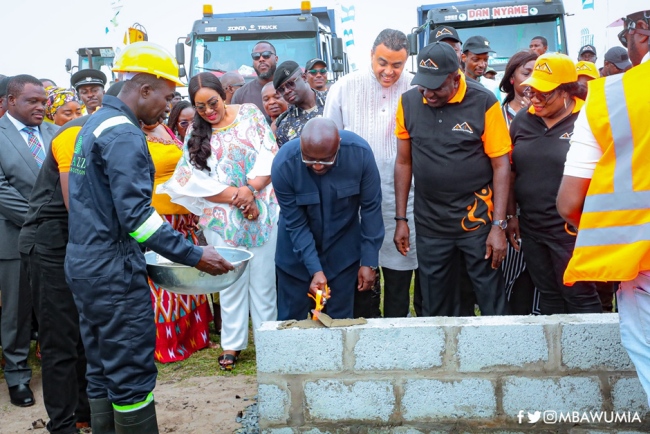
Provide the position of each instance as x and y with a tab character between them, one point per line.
24	139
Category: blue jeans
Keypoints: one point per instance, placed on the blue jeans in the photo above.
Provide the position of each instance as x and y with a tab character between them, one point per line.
633	300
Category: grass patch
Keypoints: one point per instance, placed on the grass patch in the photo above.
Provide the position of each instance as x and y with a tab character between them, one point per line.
204	363
200	364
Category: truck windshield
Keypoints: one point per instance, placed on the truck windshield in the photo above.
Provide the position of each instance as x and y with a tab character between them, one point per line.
507	39
223	53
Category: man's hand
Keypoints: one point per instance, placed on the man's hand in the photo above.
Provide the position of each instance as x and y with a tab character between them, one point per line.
496	246
318	281
401	238
213	263
366	278
512	233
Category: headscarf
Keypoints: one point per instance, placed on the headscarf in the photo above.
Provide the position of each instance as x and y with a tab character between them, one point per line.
57	97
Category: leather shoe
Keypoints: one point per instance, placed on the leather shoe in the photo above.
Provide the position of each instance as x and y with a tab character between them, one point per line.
21	395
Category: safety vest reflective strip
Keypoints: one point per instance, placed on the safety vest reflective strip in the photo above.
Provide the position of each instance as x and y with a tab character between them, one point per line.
109	123
613	240
148	228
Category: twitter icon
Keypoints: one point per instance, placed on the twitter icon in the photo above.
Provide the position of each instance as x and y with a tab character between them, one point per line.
534	417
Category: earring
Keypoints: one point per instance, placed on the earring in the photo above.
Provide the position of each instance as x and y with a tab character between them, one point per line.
565	104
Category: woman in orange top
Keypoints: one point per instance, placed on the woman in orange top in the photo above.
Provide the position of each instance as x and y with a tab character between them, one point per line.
182	321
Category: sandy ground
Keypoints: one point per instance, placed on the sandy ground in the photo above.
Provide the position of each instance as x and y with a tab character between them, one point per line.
196	405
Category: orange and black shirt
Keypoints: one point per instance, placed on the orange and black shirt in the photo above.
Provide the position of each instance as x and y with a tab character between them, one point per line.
451	148
538	158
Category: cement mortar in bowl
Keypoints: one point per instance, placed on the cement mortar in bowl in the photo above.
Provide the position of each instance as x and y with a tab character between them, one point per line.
183	279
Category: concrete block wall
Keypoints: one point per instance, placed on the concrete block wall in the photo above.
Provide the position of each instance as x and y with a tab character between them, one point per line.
441	375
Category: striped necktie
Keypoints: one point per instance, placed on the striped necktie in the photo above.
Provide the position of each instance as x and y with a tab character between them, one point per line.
35	145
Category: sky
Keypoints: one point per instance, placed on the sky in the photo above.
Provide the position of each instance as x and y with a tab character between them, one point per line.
37	35
41	48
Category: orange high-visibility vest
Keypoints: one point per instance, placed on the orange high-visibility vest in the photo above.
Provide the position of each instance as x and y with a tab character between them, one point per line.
613	242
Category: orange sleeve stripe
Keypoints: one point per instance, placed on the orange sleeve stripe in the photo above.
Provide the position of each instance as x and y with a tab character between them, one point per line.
400	129
63	148
496	138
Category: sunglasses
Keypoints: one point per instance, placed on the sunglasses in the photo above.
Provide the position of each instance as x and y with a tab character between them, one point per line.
529	93
288	85
630	29
329	162
318	71
213	104
264	54
184	124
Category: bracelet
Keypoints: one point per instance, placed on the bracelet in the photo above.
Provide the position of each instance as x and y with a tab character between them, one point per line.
509	216
402	219
252	189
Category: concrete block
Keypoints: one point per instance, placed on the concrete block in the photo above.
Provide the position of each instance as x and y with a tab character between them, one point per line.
296	351
279	431
332	400
385	346
562	394
426	399
594	343
326	431
273	403
510	344
628	395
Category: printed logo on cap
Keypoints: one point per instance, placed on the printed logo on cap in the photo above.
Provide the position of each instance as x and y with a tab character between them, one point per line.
287	73
89	78
543	67
428	64
444	31
486	42
583	67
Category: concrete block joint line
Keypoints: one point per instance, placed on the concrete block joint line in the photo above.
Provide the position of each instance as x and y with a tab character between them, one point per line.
426	375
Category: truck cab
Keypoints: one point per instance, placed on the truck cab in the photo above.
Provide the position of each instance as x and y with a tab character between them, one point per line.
509	25
101	58
223	42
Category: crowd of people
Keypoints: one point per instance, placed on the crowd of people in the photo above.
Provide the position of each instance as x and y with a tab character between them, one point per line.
525	195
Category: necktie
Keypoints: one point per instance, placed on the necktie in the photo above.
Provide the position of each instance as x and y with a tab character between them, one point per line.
35	146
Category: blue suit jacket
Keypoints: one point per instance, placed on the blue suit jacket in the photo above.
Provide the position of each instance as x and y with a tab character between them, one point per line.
328	222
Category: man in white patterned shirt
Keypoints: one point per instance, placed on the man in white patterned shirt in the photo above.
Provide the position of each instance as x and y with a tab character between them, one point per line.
365	102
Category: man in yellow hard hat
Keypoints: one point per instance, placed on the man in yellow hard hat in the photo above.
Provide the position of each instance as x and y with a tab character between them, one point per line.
605	191
111	221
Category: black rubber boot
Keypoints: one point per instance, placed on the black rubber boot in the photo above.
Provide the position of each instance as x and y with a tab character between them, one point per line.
140	421
102	420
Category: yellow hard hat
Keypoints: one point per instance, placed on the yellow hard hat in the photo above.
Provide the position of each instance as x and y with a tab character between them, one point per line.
148	58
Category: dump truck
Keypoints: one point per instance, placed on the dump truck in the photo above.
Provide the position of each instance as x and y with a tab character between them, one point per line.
509	25
223	42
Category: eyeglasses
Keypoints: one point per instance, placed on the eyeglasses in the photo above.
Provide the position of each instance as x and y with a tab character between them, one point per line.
184	124
318	71
264	54
323	163
529	93
629	28
237	85
288	85
213	104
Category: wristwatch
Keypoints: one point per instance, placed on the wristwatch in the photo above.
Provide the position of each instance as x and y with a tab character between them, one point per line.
252	189
502	224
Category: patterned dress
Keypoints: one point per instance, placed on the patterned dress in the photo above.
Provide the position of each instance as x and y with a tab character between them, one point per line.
182	321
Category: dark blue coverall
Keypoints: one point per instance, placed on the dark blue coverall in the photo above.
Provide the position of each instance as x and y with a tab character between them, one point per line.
111	220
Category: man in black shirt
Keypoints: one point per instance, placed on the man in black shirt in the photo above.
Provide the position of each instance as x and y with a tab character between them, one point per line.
454	141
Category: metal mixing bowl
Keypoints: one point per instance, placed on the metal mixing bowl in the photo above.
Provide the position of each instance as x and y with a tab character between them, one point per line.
183	279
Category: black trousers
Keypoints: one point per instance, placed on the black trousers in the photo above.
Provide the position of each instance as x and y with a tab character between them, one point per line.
439	278
397	284
63	360
546	261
